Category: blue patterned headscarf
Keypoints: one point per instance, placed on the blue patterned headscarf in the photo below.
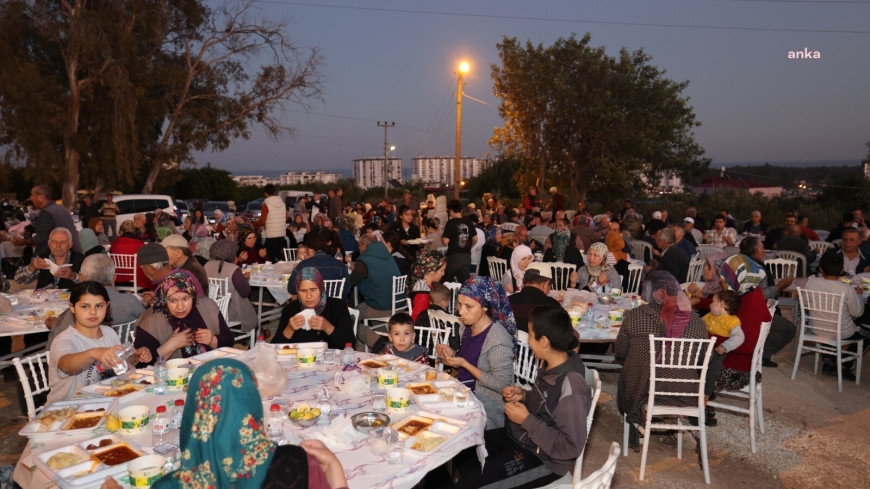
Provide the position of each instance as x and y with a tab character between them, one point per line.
313	274
491	295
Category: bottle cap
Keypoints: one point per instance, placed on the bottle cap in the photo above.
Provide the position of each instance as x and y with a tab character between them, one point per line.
275	407
348	345
179	402
161	409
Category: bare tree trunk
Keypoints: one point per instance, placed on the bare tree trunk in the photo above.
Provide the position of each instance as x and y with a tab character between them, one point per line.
152	179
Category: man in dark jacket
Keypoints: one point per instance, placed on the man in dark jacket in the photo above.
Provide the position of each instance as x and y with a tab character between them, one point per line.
50	216
536	286
66	262
673	258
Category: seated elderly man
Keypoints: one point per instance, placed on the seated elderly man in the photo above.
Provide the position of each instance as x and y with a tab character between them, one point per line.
180	257
153	260
66	261
536	286
124	308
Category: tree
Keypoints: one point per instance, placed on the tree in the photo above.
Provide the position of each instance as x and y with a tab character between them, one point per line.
98	89
496	179
573	113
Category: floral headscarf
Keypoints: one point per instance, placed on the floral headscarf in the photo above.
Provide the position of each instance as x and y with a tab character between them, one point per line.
491	295
519	253
427	261
221	436
223	250
601	250
741	273
313	274
490	236
660	287
181	282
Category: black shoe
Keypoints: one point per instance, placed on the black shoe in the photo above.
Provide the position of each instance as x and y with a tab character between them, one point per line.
766	362
710	416
633	438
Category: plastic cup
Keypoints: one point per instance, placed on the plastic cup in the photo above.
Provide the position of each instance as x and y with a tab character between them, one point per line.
145	471
461	397
306	357
398	398
134	419
177	378
387	377
616	316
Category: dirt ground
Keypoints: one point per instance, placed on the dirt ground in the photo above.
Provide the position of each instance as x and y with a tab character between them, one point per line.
814	437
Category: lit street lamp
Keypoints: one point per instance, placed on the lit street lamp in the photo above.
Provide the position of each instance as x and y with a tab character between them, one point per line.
463	68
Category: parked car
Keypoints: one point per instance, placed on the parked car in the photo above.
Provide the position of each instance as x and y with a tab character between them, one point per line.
212	205
132	204
254	209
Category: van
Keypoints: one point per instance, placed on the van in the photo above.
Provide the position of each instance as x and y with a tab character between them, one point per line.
291	196
132	204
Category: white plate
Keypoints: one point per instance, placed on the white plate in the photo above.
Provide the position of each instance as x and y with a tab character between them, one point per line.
449	428
77	476
219	353
32	429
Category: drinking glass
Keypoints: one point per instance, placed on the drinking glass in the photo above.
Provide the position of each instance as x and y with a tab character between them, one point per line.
379	402
328	357
461	397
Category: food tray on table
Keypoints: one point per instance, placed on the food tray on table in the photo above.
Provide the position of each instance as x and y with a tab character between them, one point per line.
61	417
435	394
134	386
88	463
424	431
224	351
287	351
401	363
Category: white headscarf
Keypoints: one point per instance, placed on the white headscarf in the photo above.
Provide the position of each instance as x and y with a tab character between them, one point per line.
519	253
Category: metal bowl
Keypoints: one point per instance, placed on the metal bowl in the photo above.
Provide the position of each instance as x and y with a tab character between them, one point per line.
605	299
366	422
305	422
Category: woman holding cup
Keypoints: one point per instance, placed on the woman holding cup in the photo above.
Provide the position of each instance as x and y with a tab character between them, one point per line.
314	316
484	361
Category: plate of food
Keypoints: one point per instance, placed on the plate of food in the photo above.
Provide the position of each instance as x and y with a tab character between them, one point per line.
287	351
373	363
69	418
88	463
424	431
125	390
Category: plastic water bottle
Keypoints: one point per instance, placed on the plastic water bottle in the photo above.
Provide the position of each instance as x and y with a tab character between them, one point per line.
160	427
275	424
607	288
589	316
175	416
632	304
347	355
160	374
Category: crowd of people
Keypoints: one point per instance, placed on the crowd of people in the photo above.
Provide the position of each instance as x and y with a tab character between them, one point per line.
542	430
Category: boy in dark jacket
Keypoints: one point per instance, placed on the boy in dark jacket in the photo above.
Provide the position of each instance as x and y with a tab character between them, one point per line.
546	428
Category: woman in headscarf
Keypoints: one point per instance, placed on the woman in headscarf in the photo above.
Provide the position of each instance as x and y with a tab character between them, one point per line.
251	251
299	227
667	313
223	443
181	324
222	265
597	271
428	269
520	259
96	225
314	316
90	244
487	348
201	250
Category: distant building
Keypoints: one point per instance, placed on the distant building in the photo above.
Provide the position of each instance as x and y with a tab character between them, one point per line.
256	180
712	184
306	177
439	169
369	172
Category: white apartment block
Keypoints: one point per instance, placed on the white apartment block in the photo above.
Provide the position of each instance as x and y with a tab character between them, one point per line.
369	172
256	180
439	169
306	177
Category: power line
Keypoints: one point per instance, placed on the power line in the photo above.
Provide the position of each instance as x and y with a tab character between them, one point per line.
563	20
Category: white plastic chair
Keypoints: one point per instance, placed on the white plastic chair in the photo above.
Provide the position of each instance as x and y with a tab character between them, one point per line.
731	250
641	250
600	479
696	270
635	273
823	234
399	303
705	250
820	247
525	365
429	336
690	357
822	312
354	314
454	292
794	256
125	265
334	288
33	378
497	267
290	254
781	268
751	393
217	288
125	331
561	275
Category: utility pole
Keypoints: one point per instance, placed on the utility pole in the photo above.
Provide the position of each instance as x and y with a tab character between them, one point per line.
456	172
386	125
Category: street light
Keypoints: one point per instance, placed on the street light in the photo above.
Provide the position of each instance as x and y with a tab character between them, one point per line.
463	68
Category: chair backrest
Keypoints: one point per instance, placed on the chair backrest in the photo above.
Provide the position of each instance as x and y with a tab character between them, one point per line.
497	267
758	352
771	306
454	292
400	303
800	258
428	337
218	287
525	365
641	250
354	314
596	393
688	358
445	321
163	232
601	478
821	311
781	268
635	273
731	250
820	247
33	375
125	265
705	250
696	270
224	304
561	275
290	254
126	331
334	288
823	233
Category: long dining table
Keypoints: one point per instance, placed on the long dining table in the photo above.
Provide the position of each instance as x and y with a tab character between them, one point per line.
30	308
